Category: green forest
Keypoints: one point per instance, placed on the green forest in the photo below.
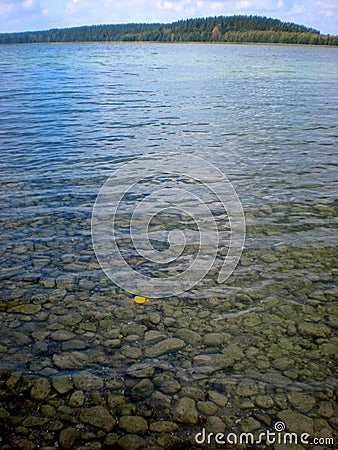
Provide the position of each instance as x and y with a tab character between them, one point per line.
238	29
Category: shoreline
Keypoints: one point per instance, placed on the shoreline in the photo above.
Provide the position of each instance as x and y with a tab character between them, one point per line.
279	44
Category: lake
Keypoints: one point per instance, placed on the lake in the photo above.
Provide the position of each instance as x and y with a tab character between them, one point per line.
159	125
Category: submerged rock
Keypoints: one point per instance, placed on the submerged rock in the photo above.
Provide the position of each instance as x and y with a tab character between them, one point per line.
132	352
68	438
217	398
163	427
142	370
185	411
74	344
207	408
247	388
76	399
214	425
34	421
314	329
153	337
300	401
264	401
143	389
86	381
213	339
296	422
133	424
326	410
210	363
163	347
62	335
189	336
99	417
26	308
41	389
250	424
131	442
70	360
62	384
166	383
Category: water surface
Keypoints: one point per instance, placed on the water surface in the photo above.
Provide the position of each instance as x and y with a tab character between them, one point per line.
264	115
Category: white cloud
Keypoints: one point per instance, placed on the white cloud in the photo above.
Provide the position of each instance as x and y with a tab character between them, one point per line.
19	11
257	5
6	8
327	4
297	9
242	4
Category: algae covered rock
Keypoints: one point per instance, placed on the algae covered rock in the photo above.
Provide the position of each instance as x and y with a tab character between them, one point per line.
296	422
133	424
62	384
163	347
131	442
68	438
99	417
185	411
41	389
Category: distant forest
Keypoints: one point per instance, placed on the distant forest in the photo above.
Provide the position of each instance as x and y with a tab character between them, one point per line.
239	29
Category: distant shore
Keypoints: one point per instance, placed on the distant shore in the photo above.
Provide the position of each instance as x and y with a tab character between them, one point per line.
230	29
279	44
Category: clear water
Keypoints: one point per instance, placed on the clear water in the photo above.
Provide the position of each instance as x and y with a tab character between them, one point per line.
264	115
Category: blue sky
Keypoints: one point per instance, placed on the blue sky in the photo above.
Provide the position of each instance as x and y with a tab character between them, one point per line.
22	15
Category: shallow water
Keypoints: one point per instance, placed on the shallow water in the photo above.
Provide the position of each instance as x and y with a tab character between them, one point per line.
263	115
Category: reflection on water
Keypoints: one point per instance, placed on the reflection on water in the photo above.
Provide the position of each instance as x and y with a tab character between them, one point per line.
266	117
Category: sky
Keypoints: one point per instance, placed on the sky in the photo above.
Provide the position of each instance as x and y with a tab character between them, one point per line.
24	15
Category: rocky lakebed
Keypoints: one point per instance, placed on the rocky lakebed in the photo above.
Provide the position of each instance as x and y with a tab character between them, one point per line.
84	367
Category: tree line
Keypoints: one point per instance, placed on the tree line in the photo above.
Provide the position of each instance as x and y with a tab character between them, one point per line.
213	29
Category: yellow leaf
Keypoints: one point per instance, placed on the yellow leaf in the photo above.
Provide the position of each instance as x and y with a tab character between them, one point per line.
139	299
